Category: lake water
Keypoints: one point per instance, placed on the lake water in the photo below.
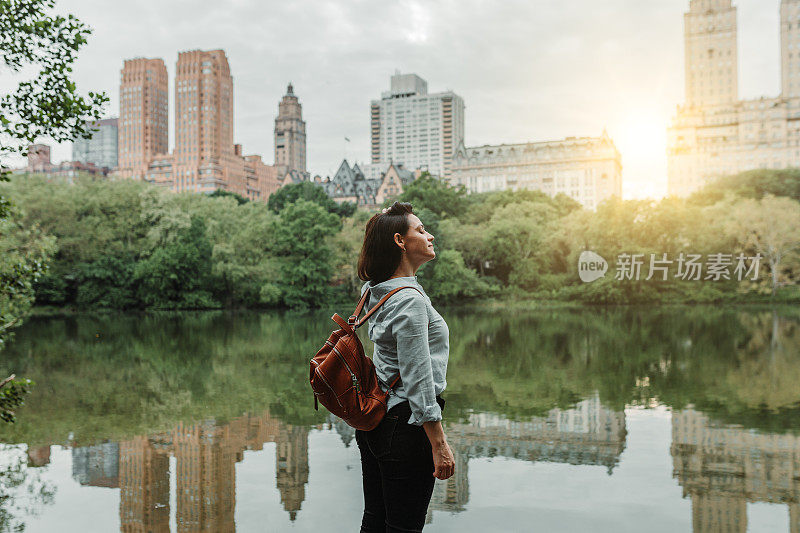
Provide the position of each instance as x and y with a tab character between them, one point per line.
622	419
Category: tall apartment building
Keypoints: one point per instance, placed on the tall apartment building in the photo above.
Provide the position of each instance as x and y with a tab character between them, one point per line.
417	129
143	121
714	133
205	158
790	48
203	155
710	52
101	149
290	135
587	169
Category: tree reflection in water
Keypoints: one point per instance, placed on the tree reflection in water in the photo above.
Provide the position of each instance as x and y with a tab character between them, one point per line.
127	392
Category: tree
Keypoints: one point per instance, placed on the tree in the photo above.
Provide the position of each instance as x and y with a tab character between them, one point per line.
12	395
24	252
754	184
434	194
312	192
771	227
452	280
346	245
515	235
176	273
222	193
300	234
47	105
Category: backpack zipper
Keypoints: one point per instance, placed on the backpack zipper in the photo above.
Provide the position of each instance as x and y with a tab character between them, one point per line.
356	384
325	381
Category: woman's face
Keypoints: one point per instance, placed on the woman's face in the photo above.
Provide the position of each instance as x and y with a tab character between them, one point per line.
417	242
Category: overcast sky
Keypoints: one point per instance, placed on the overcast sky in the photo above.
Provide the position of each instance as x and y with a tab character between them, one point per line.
528	70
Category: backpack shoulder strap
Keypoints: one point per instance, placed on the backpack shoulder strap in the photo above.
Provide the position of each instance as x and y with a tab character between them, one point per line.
355	323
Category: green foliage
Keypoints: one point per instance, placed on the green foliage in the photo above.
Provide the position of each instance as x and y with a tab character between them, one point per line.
435	195
176	273
751	184
222	193
106	282
47	105
12	395
451	280
130	245
311	192
24	252
300	233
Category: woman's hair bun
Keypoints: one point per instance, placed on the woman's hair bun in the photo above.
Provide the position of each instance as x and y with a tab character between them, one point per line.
398	208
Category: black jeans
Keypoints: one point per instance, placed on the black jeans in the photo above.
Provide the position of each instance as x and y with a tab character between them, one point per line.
397	473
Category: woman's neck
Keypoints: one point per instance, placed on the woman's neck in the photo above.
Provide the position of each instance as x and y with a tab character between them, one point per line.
405	269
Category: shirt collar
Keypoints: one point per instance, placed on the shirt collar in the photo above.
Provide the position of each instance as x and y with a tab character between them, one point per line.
379	290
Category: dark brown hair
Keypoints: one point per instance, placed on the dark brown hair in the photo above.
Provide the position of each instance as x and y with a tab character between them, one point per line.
380	255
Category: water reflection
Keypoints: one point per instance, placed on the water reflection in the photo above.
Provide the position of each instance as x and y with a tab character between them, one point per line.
205	457
150	410
588	434
722	468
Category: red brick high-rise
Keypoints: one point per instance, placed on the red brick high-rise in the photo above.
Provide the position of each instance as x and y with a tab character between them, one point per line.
204	156
143	120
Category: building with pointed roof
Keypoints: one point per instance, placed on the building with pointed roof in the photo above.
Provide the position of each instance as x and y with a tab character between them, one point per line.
349	184
352	184
290	134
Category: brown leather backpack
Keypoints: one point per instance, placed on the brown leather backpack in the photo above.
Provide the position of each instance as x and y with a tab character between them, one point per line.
344	379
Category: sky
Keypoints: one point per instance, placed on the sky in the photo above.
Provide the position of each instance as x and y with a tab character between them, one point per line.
532	70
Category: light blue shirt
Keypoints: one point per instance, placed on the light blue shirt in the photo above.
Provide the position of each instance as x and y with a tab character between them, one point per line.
411	338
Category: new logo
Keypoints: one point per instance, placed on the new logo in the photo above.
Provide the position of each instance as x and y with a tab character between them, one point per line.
591	266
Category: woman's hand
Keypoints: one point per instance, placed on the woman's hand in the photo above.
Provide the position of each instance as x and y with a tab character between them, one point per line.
443	461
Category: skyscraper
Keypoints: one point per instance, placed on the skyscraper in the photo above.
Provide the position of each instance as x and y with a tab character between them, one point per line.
790	48
417	129
290	135
101	149
204	157
710	53
143	121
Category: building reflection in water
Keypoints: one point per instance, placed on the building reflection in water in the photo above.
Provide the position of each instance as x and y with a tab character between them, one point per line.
206	454
588	434
722	468
205	477
96	466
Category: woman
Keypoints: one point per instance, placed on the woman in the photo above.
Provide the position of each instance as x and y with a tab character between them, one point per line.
407	451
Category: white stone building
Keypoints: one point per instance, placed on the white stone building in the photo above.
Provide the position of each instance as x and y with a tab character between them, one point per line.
417	129
587	169
714	133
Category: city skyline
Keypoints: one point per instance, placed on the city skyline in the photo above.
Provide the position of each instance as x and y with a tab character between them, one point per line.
524	80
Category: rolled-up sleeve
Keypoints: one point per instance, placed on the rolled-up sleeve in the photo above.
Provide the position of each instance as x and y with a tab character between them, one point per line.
410	330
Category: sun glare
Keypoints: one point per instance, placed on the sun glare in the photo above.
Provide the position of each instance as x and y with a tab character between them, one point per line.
643	135
642	140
